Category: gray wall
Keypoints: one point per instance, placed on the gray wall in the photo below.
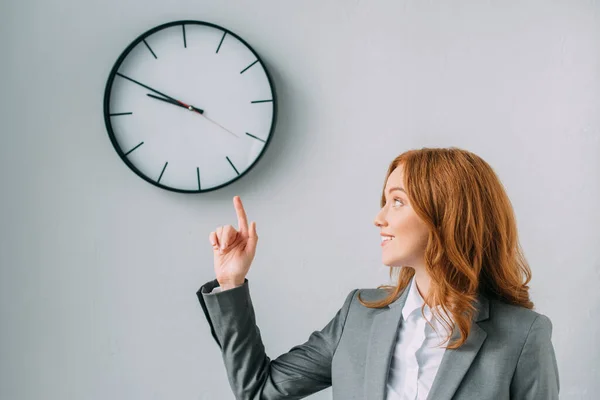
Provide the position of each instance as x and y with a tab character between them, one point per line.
99	269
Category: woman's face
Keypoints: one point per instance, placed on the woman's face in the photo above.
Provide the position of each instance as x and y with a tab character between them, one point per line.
397	218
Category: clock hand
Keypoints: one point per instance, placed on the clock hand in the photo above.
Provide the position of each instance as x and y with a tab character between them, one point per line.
177	103
221	126
191	108
174	101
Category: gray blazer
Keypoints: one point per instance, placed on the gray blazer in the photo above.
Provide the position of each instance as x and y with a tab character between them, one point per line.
508	353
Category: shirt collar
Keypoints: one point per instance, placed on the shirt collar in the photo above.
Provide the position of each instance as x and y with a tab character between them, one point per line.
414	300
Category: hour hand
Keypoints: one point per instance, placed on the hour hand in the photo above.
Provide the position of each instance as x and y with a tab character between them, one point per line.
177	103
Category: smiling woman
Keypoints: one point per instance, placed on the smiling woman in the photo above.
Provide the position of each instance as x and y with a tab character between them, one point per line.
457	232
449	234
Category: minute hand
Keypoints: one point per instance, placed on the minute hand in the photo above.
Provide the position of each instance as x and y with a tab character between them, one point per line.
155	91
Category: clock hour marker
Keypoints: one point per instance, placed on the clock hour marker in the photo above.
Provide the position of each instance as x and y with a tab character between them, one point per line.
134	148
261	101
255	137
244	70
233	166
224	33
117	114
198	174
148	46
184	41
162	172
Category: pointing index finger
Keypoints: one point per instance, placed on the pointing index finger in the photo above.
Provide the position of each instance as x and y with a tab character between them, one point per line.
241	214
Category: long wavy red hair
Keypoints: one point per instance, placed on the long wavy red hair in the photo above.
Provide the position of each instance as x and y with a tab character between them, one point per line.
473	246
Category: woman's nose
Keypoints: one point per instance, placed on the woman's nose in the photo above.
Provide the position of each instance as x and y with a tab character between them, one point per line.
379	221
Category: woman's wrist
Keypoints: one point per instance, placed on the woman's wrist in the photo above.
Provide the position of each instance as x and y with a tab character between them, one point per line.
227	286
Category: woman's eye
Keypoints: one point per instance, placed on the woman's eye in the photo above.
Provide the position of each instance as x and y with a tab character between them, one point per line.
398	200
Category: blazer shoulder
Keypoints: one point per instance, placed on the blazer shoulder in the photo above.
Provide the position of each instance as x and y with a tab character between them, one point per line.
517	318
371	294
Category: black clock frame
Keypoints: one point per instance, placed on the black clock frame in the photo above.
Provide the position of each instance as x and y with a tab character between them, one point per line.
108	88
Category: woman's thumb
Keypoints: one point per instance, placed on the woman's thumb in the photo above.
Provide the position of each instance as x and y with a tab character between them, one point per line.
252	237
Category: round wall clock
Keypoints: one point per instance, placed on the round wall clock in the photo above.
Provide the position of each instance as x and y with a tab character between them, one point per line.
189	106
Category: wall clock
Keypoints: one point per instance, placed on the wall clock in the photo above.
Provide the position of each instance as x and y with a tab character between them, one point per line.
189	106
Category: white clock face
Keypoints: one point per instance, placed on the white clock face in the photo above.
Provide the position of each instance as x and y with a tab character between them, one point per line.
189	106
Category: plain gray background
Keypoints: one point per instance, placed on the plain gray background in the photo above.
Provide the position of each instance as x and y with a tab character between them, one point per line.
99	269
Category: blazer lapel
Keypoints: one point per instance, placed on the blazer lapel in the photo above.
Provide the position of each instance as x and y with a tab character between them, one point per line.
456	362
382	340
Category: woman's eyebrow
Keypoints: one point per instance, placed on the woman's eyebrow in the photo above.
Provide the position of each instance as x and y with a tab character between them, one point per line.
396	188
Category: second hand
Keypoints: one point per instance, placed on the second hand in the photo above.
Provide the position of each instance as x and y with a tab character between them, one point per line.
191	108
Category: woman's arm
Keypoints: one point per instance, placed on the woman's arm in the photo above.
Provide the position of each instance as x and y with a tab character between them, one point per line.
304	370
536	376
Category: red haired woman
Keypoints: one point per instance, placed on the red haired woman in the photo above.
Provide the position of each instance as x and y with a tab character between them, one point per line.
458	323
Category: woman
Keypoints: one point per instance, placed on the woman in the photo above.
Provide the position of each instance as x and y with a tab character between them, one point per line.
458	324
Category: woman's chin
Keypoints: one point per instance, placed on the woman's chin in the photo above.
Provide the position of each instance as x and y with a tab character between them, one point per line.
391	262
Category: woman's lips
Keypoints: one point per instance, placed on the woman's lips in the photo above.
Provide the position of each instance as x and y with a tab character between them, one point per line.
383	243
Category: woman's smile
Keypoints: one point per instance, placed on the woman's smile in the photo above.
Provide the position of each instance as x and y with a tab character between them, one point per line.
386	241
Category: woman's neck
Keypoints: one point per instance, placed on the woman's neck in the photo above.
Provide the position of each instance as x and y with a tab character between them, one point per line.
423	282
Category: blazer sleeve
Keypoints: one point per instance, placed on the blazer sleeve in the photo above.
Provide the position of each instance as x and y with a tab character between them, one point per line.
303	370
536	375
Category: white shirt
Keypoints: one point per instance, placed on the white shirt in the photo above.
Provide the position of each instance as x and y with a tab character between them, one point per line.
416	358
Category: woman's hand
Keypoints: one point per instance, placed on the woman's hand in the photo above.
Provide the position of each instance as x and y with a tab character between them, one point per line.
233	250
